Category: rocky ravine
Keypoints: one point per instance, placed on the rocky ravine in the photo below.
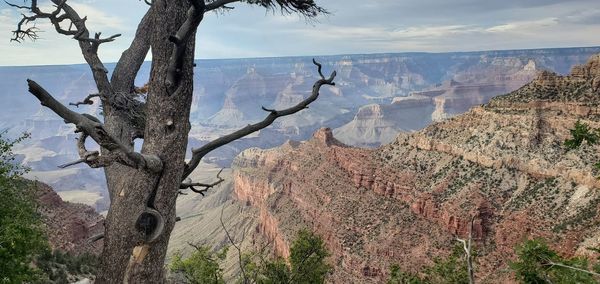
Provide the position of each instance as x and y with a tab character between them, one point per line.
69	226
405	202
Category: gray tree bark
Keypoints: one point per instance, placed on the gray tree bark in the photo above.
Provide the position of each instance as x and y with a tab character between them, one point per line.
143	187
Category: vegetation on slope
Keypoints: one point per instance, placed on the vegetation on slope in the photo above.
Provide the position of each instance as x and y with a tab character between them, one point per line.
21	232
536	263
25	254
306	264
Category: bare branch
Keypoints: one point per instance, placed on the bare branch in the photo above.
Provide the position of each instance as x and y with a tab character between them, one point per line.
94	159
192	186
468	253
86	101
92	127
96	41
77	29
237	247
199	153
17	6
551	263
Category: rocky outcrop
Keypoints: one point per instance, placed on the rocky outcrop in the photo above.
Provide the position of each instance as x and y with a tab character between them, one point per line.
378	123
69	225
503	164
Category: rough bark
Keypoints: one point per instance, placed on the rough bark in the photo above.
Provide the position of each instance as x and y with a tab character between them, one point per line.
127	257
143	187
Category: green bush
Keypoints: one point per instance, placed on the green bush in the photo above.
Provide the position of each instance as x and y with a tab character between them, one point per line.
398	276
305	265
202	267
537	263
21	233
449	270
581	132
307	258
57	265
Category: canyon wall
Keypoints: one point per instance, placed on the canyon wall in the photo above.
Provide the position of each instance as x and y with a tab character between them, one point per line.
503	164
69	226
376	96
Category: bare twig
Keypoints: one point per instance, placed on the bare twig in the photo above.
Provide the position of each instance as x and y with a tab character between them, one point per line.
96	238
199	153
206	186
76	28
237	247
551	263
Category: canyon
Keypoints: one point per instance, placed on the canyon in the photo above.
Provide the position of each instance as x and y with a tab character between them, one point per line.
502	163
69	226
376	97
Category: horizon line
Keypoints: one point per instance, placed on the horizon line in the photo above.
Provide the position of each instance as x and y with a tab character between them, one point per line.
330	55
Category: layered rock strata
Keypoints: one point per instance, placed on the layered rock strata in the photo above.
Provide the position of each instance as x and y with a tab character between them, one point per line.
503	164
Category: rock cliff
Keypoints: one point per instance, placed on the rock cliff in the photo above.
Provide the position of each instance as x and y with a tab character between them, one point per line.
503	163
69	225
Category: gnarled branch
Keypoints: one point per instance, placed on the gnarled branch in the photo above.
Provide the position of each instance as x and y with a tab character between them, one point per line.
77	29
199	153
91	126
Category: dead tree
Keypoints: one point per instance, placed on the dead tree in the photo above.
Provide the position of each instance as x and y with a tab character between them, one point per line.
143	186
468	251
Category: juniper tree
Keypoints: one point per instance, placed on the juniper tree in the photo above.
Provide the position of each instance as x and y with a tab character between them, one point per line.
143	186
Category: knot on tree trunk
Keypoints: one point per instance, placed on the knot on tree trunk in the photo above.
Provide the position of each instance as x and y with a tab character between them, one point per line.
151	224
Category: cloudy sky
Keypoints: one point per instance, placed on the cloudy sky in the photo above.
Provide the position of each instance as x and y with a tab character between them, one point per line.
355	26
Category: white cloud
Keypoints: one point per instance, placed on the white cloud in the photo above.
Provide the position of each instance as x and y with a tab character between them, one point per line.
524	26
98	19
356	26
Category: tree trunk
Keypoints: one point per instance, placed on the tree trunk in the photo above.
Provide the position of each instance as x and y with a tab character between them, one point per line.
127	258
143	187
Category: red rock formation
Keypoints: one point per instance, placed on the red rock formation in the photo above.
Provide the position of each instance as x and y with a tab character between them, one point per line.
69	225
503	165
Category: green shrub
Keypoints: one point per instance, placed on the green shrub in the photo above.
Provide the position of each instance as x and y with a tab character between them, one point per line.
307	258
398	276
21	234
537	263
305	265
581	132
202	267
